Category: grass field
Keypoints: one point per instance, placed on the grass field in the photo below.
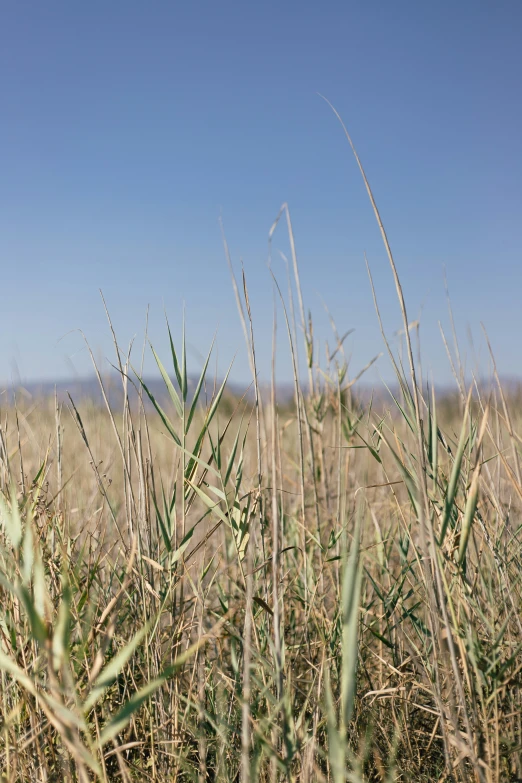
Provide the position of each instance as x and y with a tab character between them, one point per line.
214	588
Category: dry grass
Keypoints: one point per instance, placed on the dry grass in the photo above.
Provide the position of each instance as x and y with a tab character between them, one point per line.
128	566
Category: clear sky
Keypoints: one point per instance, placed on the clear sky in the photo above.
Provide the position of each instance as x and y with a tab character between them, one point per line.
128	127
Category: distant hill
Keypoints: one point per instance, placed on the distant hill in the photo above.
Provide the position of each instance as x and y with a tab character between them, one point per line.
88	389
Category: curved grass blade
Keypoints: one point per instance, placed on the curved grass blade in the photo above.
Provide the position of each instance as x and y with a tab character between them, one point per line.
198	390
109	674
163	416
455	475
121	719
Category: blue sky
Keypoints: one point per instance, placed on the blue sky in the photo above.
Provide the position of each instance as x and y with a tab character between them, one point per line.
128	128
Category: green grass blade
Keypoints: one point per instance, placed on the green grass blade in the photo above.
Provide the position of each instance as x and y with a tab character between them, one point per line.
198	390
12	668
454	479
469	515
27	554
174	358
163	416
38	627
10	518
232	457
121	719
60	643
111	671
174	396
164	533
336	741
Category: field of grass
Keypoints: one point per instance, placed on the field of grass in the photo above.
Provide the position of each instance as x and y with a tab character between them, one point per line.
223	589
